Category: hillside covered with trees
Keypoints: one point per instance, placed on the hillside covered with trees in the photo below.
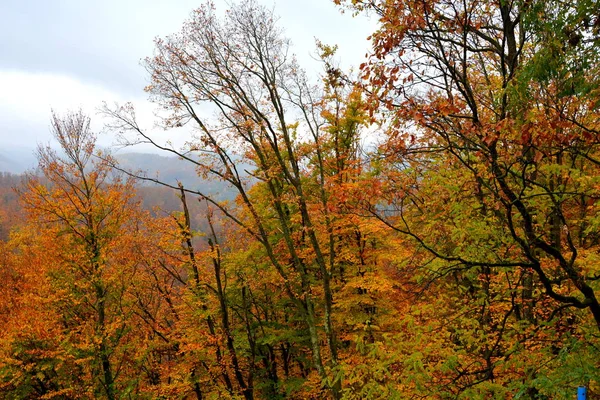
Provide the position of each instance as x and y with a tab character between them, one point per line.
424	228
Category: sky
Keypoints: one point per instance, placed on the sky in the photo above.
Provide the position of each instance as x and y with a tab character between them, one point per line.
71	54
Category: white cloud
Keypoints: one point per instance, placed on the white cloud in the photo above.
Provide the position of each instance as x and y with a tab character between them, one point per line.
81	54
27	99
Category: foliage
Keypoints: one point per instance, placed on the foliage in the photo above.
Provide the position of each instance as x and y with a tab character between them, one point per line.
456	258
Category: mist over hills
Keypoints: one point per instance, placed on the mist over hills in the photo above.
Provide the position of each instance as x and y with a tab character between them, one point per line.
172	170
154	197
168	169
17	160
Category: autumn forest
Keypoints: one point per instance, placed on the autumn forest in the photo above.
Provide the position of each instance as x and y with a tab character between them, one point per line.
424	227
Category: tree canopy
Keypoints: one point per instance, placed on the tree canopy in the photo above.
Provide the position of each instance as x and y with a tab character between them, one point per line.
424	228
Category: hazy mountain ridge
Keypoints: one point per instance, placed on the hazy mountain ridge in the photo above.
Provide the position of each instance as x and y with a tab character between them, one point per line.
17	160
172	170
167	169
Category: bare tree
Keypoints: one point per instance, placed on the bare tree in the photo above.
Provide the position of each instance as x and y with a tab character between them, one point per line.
265	114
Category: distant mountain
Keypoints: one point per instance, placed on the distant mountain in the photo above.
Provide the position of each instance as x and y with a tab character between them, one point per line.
168	169
172	170
17	160
6	164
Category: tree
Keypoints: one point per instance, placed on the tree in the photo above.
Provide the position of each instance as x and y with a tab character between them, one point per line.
490	161
301	143
82	227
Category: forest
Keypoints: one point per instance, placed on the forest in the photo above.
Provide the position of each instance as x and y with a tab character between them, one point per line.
425	227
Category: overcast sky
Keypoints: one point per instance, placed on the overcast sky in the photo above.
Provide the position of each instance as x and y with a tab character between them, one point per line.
70	54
